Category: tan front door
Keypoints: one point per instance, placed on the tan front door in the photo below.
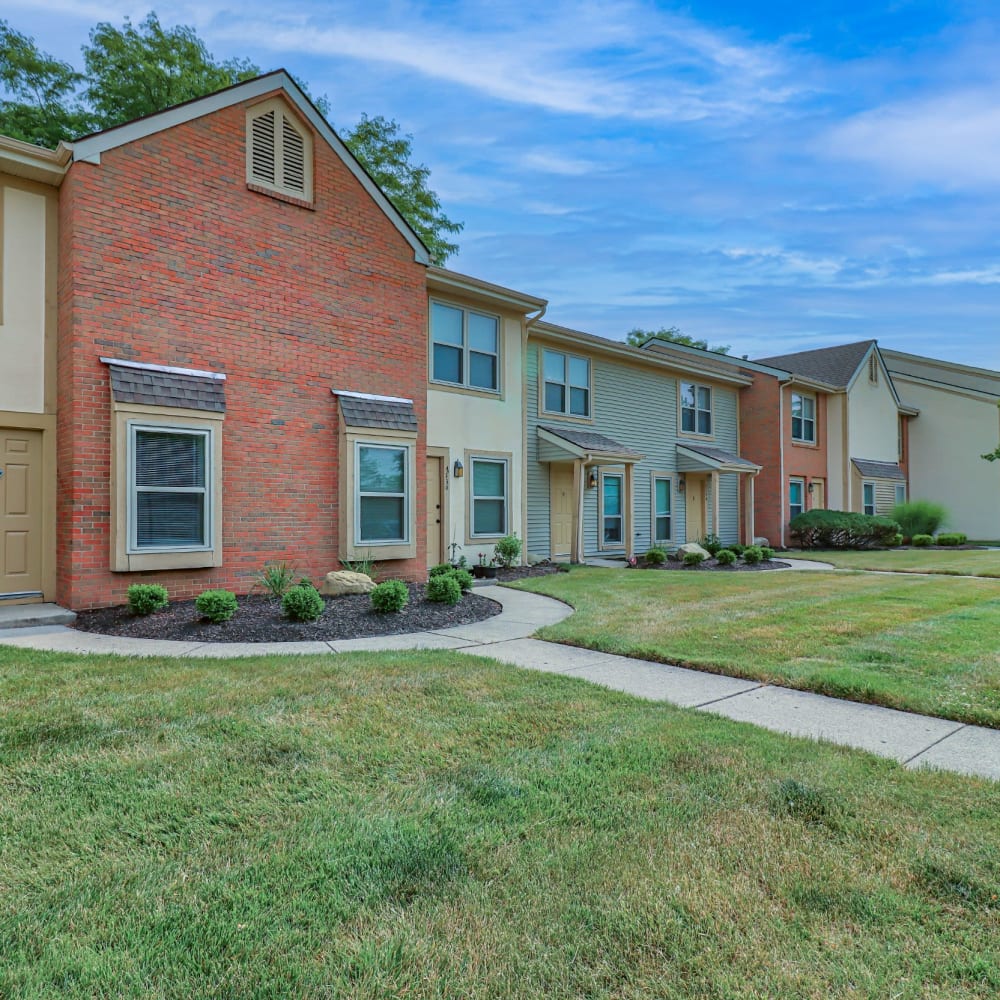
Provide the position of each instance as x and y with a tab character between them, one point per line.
818	500
694	506
20	513
562	509
435	513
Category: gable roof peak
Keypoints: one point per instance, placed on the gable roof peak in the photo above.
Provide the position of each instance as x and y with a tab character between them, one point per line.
835	365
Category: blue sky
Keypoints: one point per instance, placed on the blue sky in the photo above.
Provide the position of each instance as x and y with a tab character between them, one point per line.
763	177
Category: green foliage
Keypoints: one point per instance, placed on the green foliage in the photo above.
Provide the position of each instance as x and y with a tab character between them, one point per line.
693	559
805	803
656	556
922	541
367	565
711	544
216	605
767	552
464	579
895	541
302	604
507	550
919	517
444	589
145	598
952	538
392	595
840	529
276	578
725	557
737	548
385	154
441	569
753	554
636	337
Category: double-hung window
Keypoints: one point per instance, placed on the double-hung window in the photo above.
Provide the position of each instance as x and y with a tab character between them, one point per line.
489	497
567	384
612	518
696	408
169	488
900	493
661	509
868	497
803	418
796	497
465	347
383	494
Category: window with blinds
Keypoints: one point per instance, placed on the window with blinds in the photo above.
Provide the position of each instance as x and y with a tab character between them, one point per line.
279	151
489	497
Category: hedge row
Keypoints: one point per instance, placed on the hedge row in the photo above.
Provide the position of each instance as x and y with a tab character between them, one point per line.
841	529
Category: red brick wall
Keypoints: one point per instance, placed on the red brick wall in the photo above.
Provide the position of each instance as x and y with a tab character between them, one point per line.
167	258
760	442
806	461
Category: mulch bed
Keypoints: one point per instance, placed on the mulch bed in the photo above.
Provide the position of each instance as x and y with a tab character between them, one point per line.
711	565
259	619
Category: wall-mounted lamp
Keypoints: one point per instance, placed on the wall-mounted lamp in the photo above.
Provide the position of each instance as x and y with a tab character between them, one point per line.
809	488
592	479
681	485
458	470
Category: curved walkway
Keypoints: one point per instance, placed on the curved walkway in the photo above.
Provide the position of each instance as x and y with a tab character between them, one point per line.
912	740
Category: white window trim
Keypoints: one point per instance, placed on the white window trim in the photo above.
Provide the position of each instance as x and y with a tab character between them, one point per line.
466	348
568	385
900	486
471	459
801	483
359	542
804	398
602	544
696	410
864	485
655	478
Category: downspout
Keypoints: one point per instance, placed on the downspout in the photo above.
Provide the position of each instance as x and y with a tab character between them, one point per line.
526	325
783	489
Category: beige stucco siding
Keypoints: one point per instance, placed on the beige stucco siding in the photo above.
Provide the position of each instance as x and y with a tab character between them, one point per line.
835	453
873	422
23	216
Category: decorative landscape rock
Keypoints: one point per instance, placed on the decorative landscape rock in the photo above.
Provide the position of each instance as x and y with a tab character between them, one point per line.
683	550
343	581
761	541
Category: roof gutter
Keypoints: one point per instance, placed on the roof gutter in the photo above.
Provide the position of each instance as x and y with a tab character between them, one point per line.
35	163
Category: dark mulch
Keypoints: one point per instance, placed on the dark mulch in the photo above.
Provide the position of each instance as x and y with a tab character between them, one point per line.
713	566
259	619
520	572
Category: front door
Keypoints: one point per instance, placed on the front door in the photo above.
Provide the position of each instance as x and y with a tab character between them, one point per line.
20	513
818	494
694	506
562	508
435	513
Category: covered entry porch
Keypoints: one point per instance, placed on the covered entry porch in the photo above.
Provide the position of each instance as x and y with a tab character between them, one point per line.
581	461
703	467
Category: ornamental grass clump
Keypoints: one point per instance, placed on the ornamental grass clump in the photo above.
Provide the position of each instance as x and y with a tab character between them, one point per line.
711	544
276	578
919	517
302	604
389	596
216	605
444	589
145	598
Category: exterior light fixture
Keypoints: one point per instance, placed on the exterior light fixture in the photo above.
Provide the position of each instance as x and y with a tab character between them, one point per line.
809	488
459	469
592	480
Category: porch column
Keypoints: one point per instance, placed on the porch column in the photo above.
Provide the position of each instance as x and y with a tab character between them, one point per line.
715	504
576	549
749	513
629	511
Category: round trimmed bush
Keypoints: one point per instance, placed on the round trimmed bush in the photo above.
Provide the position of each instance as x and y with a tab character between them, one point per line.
390	595
725	557
464	578
922	541
302	604
952	538
444	589
656	556
737	548
145	598
768	552
441	569
216	605
753	554
693	558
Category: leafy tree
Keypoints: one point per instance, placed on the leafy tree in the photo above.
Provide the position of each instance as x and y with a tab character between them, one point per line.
386	154
637	337
993	456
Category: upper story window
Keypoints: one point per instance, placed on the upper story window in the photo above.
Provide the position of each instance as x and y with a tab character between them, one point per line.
279	151
696	408
465	347
803	418
567	384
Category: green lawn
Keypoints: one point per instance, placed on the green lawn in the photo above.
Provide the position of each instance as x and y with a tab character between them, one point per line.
965	563
436	826
919	643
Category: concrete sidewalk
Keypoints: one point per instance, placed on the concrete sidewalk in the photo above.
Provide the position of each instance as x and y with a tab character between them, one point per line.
913	740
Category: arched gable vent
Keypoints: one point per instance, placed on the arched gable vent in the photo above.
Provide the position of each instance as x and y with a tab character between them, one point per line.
279	151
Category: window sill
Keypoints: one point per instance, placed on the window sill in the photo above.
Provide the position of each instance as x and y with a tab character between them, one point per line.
138	562
466	390
289	199
570	418
802	443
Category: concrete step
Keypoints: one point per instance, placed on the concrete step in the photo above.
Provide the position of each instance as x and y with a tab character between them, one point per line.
33	615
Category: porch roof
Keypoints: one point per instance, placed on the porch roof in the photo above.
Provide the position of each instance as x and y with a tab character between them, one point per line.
871	469
702	458
564	444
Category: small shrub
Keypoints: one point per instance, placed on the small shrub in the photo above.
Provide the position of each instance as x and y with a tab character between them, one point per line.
693	558
507	550
145	598
656	556
753	554
276	578
767	552
302	604
737	548
711	544
919	517
952	538
444	589
725	557
895	541
441	569
216	605
392	595
922	541
366	565
464	579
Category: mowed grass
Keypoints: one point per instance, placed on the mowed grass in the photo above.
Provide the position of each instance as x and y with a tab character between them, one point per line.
968	562
919	643
427	825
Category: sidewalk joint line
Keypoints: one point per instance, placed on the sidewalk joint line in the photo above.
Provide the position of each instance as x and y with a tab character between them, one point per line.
931	746
726	697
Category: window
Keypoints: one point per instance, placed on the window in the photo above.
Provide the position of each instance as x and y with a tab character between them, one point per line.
900	493
696	408
279	151
873	369
868	497
796	497
803	418
383	494
465	347
612	487
661	509
489	497
169	506
567	384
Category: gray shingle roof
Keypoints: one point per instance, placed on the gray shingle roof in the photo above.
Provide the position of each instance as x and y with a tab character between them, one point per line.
878	470
374	411
835	365
719	455
592	441
191	392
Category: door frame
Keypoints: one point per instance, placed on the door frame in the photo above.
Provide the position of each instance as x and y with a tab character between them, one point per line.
444	456
703	483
